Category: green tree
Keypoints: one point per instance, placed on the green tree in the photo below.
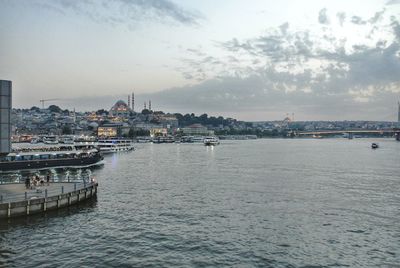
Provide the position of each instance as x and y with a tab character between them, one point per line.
55	109
66	130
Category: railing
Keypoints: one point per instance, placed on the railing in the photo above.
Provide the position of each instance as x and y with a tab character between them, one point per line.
43	192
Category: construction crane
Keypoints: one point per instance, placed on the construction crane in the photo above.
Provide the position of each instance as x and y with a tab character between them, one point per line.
44	100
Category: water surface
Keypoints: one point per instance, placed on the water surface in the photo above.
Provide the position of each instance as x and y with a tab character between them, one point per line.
258	203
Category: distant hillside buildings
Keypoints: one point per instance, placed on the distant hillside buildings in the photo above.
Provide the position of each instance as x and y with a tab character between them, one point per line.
121	120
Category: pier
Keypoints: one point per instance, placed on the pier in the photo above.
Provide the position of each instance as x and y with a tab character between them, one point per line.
16	200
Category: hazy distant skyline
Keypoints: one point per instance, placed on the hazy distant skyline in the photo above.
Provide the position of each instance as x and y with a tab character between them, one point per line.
251	60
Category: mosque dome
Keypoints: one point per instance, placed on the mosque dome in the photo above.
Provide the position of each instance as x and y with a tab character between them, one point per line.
120	108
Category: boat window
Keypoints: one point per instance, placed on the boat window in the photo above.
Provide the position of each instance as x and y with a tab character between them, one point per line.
36	157
44	156
27	157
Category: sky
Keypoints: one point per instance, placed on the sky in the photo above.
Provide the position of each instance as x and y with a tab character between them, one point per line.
253	60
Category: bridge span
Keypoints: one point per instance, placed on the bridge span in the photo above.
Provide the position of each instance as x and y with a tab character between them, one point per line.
348	131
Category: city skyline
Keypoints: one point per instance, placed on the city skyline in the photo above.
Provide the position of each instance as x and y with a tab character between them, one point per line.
319	60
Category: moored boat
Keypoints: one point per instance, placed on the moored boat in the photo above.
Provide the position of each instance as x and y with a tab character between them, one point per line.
45	157
66	140
50	139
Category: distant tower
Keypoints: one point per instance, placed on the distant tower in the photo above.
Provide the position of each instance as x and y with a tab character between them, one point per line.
398	113
292	116
129	101
144	105
5	116
133	101
74	116
150	105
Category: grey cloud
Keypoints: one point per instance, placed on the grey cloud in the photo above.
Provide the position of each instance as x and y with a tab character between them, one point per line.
345	79
118	12
377	17
196	52
323	17
266	93
341	17
358	20
284	27
393	2
234	45
396	28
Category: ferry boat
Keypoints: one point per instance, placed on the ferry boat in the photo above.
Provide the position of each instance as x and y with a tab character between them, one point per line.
144	139
198	139
35	140
115	145
163	139
211	141
51	139
45	157
67	140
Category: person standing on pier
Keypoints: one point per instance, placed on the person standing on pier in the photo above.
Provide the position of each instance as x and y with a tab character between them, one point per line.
28	182
48	179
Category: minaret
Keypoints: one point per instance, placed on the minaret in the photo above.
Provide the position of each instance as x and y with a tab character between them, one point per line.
144	106
129	101
133	101
150	105
74	116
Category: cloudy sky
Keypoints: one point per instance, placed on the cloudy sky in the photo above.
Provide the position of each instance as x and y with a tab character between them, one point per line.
252	60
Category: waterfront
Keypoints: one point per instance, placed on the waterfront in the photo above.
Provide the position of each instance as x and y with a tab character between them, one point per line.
263	203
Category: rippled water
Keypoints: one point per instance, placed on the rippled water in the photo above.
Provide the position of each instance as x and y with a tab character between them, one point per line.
261	203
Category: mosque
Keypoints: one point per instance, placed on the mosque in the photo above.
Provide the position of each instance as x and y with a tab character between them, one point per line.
120	109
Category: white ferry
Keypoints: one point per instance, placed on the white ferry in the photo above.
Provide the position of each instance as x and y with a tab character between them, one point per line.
115	145
66	139
211	141
50	139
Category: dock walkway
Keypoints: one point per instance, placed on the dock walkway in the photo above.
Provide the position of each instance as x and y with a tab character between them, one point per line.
16	200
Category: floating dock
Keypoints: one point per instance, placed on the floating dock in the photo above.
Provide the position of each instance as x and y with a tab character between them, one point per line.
16	200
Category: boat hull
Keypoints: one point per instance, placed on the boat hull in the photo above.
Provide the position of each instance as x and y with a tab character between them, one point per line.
49	163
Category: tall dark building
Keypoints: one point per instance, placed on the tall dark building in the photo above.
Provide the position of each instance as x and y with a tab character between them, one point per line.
5	116
398	114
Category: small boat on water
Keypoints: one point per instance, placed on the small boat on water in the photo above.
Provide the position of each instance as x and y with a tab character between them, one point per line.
211	141
374	145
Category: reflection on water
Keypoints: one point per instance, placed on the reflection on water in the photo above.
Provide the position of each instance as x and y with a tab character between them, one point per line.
261	203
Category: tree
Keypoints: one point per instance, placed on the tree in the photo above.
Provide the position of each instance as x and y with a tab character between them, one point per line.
101	111
138	132
66	130
34	108
55	109
203	118
146	111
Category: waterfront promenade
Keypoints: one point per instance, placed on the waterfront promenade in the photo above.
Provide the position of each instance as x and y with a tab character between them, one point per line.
17	200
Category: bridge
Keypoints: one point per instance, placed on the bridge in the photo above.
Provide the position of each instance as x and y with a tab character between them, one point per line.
350	132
